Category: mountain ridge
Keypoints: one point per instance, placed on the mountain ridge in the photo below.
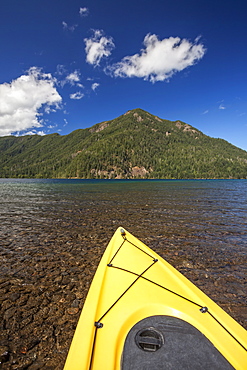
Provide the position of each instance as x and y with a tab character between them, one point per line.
136	144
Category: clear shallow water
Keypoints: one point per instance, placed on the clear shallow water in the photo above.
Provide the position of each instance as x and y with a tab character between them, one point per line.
189	217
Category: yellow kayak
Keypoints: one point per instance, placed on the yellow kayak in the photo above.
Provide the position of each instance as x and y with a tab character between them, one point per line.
141	313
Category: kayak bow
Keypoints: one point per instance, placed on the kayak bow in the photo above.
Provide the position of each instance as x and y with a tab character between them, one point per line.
141	313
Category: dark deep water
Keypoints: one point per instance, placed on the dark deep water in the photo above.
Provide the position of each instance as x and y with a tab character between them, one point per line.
53	234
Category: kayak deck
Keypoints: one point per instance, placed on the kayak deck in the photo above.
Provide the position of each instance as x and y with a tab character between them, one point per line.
133	285
165	342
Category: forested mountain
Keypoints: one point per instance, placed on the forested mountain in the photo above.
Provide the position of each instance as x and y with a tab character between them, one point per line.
134	145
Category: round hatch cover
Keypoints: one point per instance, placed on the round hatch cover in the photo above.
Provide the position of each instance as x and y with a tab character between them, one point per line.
149	339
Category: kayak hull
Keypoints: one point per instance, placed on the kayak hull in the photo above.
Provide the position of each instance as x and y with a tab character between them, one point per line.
133	285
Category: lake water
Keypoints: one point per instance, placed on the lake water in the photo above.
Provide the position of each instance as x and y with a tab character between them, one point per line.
205	212
189	217
54	232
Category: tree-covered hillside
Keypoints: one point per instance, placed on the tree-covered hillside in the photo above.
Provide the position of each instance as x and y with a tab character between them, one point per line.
134	145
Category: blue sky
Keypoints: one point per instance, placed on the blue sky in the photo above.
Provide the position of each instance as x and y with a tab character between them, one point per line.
69	64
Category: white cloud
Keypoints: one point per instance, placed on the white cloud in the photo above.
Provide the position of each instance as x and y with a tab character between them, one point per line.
94	86
22	99
97	47
73	77
61	70
78	95
52	126
83	12
69	28
221	106
34	132
205	112
160	59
